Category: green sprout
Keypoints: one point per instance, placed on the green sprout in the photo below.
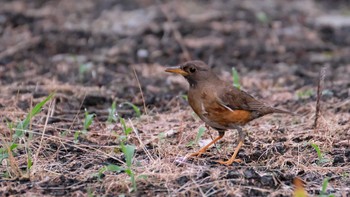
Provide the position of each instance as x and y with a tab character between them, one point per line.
185	97
24	124
305	94
235	78
129	151
262	17
323	192
134	107
321	159
20	128
112	113
88	120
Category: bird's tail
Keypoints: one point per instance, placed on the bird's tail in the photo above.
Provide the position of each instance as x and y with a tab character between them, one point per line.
281	111
269	110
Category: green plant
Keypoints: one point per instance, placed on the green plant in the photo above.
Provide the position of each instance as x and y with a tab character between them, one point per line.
112	117
90	193
76	136
262	17
345	175
185	97
88	120
29	158
305	94
129	151
199	135
235	78
7	151
134	107
127	130
323	192
321	159
161	136
23	125
83	68
4	152
110	167
87	123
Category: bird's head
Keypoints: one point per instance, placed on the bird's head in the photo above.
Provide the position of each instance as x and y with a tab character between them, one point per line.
193	71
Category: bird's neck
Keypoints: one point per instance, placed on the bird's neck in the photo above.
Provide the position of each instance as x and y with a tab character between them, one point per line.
193	83
210	80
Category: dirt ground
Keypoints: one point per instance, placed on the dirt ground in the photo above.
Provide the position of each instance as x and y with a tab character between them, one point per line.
93	53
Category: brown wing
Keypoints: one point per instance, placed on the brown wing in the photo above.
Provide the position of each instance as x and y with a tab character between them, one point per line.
236	99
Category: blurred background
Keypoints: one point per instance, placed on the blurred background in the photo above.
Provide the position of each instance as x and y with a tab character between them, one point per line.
93	47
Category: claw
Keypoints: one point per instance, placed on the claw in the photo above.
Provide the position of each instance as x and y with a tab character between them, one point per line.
233	158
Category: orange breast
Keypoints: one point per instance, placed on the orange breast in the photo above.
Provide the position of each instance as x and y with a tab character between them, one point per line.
225	117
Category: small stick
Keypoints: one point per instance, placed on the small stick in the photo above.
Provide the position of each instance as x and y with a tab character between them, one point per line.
141	143
36	156
138	83
321	77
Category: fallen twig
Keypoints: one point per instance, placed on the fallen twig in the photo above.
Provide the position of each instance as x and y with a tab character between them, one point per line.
319	94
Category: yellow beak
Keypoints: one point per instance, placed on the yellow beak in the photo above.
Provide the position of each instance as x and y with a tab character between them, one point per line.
177	70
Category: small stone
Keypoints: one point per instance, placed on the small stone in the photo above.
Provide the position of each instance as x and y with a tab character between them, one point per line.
338	160
233	175
182	180
347	154
142	53
280	148
267	180
251	174
204	174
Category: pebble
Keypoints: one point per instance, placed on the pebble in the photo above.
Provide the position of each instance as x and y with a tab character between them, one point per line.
142	53
267	180
338	160
251	174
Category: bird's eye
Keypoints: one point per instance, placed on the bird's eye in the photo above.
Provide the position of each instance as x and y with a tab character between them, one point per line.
192	69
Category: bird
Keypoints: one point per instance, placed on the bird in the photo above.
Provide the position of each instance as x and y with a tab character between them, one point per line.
219	104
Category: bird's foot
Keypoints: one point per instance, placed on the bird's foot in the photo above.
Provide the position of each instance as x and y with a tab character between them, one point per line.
228	162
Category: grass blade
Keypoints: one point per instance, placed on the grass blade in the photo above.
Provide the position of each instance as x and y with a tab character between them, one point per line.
88	120
235	78
112	117
319	153
129	151
134	107
323	192
23	125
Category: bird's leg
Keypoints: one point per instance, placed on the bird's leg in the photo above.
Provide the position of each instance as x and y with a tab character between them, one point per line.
241	134
233	158
202	150
208	129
